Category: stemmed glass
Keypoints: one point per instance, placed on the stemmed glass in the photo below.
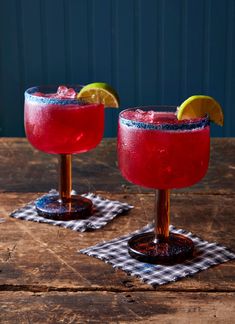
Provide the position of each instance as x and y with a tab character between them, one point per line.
63	126
157	151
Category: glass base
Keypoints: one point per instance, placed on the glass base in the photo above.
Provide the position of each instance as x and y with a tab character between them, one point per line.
176	249
76	207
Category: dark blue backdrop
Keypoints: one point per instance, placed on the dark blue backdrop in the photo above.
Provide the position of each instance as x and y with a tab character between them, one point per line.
151	51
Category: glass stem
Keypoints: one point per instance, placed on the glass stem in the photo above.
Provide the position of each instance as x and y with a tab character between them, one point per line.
65	184
162	215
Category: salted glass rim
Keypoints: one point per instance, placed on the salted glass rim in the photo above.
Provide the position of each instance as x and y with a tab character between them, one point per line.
29	95
186	124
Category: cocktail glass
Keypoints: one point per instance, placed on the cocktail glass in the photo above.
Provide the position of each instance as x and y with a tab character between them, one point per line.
63	126
155	150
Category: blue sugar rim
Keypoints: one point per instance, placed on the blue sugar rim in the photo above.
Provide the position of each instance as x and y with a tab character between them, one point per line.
51	101
184	126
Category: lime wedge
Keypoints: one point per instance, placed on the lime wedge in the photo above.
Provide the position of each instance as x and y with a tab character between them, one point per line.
198	106
99	92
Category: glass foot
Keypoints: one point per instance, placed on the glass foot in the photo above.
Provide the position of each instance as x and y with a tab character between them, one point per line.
52	207
176	249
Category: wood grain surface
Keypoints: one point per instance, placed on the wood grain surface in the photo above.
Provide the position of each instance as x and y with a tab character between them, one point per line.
43	278
24	169
112	307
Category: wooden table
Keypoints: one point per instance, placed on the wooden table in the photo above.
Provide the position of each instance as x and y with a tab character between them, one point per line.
44	280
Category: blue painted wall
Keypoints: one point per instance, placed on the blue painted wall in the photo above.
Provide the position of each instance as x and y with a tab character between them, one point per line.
151	51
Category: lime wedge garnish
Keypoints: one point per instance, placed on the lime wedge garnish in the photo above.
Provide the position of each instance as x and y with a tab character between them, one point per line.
198	106
99	92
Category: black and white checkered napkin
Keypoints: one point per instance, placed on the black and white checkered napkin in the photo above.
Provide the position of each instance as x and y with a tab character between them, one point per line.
105	211
116	253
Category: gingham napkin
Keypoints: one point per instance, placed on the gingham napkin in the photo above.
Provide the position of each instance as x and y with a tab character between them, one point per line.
105	211
116	253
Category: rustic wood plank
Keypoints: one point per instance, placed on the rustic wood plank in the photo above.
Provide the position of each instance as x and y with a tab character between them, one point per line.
43	279
25	169
40	257
109	307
